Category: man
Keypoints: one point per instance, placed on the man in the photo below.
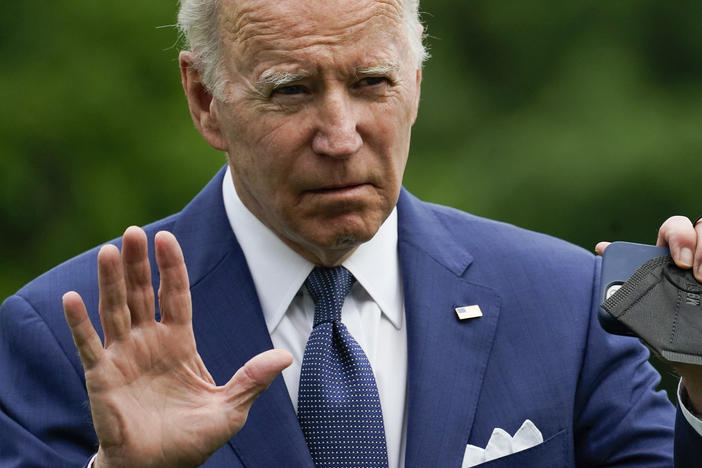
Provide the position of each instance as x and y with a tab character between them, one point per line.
313	102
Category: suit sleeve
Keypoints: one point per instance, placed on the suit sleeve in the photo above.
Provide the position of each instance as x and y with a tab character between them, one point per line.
621	419
44	413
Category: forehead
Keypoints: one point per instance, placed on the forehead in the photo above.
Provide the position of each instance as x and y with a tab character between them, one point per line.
254	31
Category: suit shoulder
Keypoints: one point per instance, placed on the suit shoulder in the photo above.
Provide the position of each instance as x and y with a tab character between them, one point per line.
496	250
500	238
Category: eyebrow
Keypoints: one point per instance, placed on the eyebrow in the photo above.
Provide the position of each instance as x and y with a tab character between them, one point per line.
383	69
272	80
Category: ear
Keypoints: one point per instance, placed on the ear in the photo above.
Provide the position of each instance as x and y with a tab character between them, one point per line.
200	101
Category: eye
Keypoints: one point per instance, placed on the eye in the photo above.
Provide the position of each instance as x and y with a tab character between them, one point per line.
372	81
290	90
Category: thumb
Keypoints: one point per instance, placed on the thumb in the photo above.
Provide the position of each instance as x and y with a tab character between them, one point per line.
255	376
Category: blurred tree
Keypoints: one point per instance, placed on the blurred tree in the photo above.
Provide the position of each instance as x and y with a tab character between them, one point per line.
94	114
580	119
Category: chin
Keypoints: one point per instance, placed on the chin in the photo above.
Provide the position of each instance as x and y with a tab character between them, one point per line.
347	242
341	240
336	234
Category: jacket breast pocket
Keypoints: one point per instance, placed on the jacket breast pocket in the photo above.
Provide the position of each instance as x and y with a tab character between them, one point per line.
552	453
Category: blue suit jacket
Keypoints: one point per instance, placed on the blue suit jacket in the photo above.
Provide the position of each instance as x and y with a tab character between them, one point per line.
537	352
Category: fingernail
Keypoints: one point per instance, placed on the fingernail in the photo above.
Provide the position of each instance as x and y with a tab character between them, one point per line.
686	257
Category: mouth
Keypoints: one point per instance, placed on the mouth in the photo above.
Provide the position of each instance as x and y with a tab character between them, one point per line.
339	189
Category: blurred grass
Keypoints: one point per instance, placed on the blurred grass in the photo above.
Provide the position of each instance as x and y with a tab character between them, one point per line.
580	119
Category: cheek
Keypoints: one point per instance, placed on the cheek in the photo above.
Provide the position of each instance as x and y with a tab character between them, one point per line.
283	136
389	136
264	145
270	164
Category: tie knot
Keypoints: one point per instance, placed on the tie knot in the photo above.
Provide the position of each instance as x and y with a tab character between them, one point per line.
329	288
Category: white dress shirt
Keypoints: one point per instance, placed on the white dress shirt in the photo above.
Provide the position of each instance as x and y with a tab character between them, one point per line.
374	311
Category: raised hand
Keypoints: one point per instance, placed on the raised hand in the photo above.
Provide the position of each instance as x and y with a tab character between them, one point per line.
685	242
153	402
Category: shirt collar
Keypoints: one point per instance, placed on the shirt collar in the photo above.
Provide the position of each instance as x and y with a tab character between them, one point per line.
279	272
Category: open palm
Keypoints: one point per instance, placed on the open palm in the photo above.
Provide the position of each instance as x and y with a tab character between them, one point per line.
152	399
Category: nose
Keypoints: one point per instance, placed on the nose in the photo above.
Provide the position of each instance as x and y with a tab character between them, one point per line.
337	131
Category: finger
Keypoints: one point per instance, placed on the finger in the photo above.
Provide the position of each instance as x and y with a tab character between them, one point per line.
174	291
137	274
84	335
114	313
698	252
600	247
679	235
254	377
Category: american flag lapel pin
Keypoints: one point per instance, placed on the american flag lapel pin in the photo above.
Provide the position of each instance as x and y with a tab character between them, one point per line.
469	312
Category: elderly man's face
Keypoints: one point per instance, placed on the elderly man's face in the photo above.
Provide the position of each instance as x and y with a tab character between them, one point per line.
316	117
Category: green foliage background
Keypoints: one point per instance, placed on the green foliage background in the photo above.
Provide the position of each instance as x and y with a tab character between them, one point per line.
581	119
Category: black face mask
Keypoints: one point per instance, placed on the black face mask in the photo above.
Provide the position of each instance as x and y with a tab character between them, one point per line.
662	305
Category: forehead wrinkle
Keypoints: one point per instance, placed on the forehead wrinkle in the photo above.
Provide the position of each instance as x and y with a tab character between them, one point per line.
261	26
243	25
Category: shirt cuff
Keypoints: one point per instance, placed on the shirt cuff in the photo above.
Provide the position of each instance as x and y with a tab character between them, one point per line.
692	419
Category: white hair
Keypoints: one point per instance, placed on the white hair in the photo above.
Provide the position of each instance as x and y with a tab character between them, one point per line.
198	23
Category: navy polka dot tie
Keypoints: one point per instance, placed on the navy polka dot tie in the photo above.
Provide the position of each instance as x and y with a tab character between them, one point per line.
338	404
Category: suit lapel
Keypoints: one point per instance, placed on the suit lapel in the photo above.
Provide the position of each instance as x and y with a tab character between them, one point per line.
230	329
447	357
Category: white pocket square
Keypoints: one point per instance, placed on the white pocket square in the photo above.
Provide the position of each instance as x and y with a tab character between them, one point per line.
501	444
